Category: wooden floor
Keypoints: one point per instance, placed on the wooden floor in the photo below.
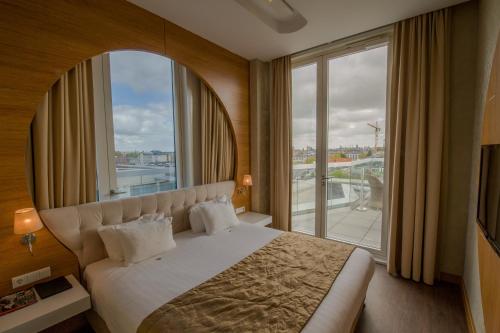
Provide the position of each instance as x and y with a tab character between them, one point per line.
398	305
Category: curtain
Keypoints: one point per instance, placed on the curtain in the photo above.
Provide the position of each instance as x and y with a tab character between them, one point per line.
218	152
187	111
63	142
281	142
418	108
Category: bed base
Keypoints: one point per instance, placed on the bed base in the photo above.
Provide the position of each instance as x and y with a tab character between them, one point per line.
358	315
99	325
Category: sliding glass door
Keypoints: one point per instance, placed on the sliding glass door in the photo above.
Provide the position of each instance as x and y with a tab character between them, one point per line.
304	129
339	125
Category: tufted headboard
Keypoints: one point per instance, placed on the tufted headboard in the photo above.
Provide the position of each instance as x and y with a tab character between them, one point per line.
76	226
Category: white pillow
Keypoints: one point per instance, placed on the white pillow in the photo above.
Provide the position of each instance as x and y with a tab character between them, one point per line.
218	216
196	216
150	217
145	240
111	239
224	199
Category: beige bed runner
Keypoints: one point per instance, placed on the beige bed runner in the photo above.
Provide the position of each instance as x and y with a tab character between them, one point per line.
275	289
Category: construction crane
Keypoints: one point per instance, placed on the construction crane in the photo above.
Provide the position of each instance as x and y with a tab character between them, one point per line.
377	133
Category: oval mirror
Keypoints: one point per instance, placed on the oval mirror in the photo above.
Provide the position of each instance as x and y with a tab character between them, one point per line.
127	123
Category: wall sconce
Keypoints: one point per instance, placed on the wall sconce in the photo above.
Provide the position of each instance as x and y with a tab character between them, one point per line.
26	222
246	182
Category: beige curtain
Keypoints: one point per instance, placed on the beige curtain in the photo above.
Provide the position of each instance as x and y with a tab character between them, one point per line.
281	142
63	142
217	142
418	105
187	111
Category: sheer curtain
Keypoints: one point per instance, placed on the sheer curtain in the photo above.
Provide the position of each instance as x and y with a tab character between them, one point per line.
218	152
281	142
62	154
418	105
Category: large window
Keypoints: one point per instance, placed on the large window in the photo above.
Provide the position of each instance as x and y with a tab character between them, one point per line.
139	154
339	123
304	147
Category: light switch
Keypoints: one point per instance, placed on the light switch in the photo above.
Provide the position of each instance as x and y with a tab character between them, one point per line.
31	277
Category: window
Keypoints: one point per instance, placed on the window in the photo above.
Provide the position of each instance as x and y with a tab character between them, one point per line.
304	147
338	138
135	131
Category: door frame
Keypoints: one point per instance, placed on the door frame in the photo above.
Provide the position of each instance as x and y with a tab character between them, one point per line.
318	60
321	56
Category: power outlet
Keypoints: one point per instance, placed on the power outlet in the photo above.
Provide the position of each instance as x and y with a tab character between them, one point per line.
240	210
28	278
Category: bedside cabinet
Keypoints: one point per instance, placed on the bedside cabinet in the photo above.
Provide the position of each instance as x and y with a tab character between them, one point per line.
49	311
256	219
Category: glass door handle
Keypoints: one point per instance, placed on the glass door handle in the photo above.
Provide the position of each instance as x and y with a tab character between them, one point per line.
324	179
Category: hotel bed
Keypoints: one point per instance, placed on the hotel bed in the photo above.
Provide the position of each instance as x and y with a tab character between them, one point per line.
123	296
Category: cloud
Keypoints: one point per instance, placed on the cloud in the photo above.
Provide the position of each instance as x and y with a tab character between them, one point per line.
142	71
143	128
356	96
142	104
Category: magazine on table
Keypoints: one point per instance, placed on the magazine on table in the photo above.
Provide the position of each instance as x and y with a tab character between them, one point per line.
17	301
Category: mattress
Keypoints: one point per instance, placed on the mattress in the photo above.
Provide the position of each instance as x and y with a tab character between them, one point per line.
124	296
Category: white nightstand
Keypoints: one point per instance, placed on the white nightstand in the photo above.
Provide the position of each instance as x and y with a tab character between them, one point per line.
256	219
49	311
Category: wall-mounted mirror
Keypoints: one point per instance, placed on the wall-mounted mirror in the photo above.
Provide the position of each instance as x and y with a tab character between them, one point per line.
126	123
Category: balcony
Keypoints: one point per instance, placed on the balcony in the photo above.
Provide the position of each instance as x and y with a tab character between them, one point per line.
134	180
354	201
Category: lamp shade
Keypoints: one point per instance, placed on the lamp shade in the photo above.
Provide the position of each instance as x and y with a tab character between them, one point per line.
26	221
247	180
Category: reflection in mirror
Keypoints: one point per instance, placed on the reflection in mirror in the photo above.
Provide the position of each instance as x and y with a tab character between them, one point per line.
126	123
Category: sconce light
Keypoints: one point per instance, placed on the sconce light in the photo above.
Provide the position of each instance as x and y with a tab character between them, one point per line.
26	222
246	182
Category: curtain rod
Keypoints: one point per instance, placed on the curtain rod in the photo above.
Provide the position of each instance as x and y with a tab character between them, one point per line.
353	39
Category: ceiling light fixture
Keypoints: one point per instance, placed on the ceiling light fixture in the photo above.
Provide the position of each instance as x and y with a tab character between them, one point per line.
277	14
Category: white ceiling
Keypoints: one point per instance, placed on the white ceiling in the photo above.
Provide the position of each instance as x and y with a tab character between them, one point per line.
228	24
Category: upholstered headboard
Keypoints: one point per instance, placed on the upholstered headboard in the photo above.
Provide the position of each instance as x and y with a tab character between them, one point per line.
76	226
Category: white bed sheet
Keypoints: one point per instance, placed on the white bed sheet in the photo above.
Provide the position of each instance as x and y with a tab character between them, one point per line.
124	296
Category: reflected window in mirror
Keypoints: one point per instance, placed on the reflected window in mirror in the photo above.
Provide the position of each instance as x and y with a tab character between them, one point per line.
134	120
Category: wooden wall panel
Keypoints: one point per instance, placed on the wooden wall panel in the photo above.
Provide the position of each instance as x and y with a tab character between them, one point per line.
489	260
489	270
39	41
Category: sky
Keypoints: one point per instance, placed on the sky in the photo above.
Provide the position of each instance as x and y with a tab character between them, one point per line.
141	85
356	97
143	119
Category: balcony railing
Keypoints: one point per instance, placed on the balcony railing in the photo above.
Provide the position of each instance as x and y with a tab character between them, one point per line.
356	184
139	180
354	201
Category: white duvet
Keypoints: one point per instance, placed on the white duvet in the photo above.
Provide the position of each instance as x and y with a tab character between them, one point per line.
124	296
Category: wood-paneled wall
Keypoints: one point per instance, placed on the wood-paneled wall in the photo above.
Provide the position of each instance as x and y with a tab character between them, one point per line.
39	41
489	260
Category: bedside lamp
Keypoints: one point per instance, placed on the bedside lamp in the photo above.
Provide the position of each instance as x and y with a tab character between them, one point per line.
26	222
246	182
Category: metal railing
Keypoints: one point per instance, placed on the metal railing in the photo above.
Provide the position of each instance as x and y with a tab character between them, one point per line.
139	180
346	185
